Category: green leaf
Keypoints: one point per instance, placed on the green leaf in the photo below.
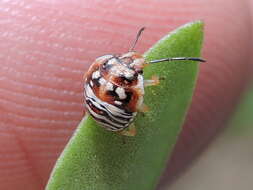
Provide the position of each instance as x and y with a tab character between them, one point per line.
96	159
240	126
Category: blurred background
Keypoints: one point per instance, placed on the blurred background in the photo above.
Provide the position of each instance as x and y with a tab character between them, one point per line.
227	163
47	45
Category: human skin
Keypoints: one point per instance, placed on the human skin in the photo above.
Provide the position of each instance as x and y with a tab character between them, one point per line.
46	47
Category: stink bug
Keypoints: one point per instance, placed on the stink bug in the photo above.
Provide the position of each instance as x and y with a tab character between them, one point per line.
114	88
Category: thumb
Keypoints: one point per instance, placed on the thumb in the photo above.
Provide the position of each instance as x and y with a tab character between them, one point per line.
47	46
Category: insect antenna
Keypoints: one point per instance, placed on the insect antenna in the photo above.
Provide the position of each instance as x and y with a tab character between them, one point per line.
137	38
177	59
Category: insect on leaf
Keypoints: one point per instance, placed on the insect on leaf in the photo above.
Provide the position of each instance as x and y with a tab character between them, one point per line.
96	159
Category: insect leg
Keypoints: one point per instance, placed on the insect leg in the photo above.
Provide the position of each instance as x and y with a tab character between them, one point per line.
152	82
130	131
143	108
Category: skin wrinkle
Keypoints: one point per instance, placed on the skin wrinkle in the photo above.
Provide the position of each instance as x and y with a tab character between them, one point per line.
41	80
34	110
24	130
19	173
30	121
59	44
43	139
28	113
18	119
34	101
39	56
32	89
28	161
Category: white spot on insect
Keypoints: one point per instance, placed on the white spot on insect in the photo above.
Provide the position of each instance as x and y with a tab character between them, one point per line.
121	93
129	73
118	102
111	108
109	86
140	84
102	81
117	70
112	61
121	70
96	75
138	62
128	54
104	57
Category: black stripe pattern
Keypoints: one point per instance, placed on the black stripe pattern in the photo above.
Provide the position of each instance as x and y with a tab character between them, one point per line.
109	116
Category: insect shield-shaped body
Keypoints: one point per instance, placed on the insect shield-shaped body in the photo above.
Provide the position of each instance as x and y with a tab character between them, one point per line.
114	89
